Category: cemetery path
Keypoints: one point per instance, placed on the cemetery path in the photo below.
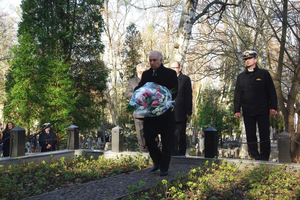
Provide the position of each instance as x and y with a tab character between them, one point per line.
117	186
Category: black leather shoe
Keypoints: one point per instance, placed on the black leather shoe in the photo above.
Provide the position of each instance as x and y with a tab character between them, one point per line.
154	168
163	173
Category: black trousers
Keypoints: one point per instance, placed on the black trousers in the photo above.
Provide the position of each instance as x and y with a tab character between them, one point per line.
263	123
181	127
6	148
165	126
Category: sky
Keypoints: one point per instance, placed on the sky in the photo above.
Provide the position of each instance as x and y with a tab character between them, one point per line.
10	6
9	3
13	2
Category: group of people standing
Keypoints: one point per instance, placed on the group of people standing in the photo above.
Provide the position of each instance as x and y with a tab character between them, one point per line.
47	139
254	93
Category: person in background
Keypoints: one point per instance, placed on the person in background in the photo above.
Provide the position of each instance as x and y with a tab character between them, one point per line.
256	94
163	124
47	139
138	119
183	105
6	136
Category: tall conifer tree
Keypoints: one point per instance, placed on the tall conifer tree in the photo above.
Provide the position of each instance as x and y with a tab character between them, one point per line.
131	51
56	70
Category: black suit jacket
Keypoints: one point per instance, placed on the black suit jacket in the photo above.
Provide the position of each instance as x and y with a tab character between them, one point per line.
164	77
183	101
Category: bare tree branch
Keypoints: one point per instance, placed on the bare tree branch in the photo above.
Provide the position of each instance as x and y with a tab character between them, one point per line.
206	9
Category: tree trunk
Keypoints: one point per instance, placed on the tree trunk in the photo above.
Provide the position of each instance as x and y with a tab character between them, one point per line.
184	31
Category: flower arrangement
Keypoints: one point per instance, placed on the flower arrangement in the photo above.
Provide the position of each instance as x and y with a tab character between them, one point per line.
151	100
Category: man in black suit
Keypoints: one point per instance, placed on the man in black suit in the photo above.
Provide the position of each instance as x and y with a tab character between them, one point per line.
138	119
183	105
165	123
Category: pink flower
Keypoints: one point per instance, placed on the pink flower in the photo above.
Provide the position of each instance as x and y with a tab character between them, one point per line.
139	101
158	89
144	104
154	103
146	93
158	95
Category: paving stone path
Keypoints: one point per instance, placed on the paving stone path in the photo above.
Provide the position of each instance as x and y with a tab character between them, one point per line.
117	186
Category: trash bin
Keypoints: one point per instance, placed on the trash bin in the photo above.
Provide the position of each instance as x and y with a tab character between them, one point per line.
210	143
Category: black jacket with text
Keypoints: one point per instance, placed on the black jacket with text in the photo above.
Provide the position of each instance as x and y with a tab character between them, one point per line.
255	93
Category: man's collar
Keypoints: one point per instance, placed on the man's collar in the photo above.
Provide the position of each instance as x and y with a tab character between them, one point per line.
159	68
254	70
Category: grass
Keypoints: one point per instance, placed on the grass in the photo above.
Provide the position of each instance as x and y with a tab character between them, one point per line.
227	181
34	179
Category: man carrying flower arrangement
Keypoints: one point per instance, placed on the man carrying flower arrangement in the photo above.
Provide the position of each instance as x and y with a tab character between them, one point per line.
161	119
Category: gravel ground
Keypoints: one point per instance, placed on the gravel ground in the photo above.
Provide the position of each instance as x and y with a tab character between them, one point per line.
115	187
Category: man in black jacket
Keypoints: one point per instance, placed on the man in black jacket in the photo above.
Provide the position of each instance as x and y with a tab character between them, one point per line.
138	119
47	139
183	105
165	123
256	94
